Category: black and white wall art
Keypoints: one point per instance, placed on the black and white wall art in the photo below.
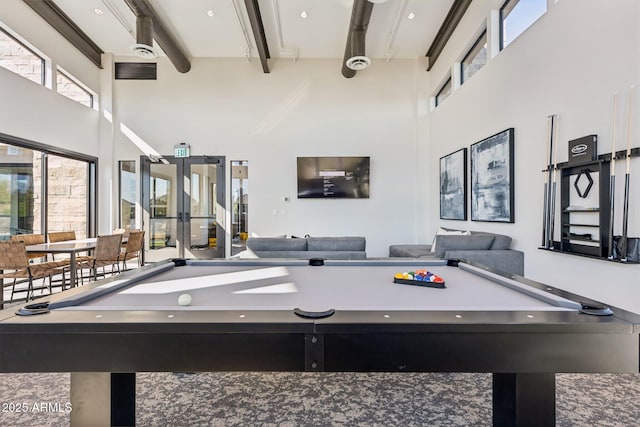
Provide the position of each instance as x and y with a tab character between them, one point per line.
453	185
492	196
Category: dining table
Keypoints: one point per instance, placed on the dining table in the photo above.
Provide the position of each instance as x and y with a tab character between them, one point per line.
71	247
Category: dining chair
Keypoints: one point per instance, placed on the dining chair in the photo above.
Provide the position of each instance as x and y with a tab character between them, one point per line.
61	236
14	264
106	253
30	239
132	248
125	233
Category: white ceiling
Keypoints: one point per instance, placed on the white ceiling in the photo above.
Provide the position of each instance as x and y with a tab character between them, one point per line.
323	34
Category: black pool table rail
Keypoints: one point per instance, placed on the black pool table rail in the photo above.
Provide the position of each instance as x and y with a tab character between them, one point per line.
522	349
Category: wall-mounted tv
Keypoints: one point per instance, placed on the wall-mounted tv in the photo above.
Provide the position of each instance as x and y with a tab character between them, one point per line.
333	177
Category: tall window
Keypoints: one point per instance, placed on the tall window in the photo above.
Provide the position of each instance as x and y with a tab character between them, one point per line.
70	88
240	204
19	169
41	192
67	195
475	59
127	194
444	92
16	57
518	15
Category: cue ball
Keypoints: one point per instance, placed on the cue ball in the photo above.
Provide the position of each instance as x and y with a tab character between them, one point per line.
184	299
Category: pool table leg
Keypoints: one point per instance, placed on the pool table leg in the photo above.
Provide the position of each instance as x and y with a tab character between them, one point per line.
524	399
103	399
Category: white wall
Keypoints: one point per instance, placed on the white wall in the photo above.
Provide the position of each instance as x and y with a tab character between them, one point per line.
304	108
34	112
570	62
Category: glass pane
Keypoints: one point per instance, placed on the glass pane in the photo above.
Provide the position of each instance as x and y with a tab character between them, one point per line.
163	211
239	205
67	196
518	15
476	58
203	211
17	58
20	187
67	87
444	92
127	194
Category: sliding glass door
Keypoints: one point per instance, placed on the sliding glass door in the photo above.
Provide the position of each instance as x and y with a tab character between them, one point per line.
41	191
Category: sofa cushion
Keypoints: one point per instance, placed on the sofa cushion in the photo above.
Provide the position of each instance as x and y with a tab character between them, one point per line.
455	243
276	244
346	243
445	232
334	254
500	241
410	251
508	260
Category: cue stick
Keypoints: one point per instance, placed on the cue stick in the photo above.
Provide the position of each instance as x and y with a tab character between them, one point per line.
612	181
547	181
625	211
552	209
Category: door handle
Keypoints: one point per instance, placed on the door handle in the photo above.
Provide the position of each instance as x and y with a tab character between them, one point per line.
187	217
179	216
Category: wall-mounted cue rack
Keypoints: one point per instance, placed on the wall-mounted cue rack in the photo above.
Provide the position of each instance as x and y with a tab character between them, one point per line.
585	208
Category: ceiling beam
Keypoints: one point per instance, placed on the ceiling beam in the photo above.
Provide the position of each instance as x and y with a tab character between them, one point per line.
55	17
164	38
257	26
458	8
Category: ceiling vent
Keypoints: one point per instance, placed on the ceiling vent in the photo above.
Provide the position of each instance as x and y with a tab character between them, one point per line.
136	71
355	58
143	51
144	38
358	63
358	60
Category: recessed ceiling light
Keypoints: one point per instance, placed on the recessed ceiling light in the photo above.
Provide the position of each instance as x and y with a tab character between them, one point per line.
210	12
98	11
411	15
304	14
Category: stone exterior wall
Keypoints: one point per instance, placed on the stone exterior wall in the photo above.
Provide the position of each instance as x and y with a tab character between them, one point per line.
71	90
18	59
67	195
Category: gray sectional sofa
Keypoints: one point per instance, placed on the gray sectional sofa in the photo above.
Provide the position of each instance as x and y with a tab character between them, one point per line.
347	247
489	249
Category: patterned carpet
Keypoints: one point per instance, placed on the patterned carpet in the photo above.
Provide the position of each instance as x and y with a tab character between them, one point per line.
327	399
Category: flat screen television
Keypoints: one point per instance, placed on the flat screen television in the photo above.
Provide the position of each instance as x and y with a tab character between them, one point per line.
333	177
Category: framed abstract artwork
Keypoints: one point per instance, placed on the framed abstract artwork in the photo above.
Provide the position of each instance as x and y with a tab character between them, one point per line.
492	197
453	185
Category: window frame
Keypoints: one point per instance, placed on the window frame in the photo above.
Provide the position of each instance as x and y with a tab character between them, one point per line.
470	51
507	7
82	87
121	164
43	60
447	82
91	179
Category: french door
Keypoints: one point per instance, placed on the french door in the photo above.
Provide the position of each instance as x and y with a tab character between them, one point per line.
180	199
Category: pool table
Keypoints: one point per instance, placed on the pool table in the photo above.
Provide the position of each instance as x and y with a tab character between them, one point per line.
340	315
